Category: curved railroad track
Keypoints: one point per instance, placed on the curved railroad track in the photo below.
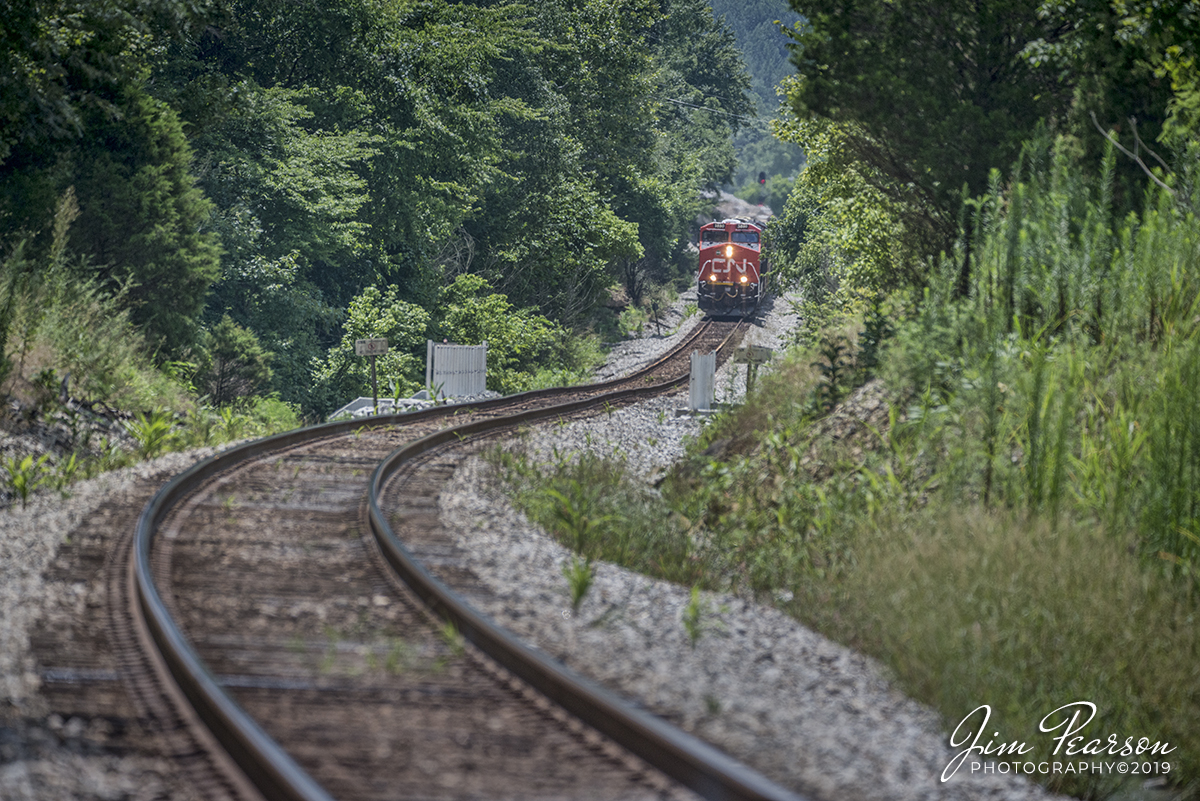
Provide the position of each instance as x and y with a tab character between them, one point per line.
299	628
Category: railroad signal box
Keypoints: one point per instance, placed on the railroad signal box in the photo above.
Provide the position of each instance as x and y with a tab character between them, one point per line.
701	383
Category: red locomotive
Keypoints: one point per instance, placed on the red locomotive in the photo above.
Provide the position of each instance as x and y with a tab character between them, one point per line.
731	279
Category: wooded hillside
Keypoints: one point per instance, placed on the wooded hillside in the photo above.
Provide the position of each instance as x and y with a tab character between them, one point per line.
277	165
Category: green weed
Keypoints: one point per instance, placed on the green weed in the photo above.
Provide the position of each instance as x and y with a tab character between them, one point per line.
329	659
455	646
971	607
595	508
631	321
151	430
65	471
693	618
574	515
834	371
579	574
25	476
398	657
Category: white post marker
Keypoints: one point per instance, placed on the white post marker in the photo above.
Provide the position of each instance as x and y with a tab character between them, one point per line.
372	348
701	384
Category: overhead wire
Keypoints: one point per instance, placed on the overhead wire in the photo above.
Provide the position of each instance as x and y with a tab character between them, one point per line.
751	122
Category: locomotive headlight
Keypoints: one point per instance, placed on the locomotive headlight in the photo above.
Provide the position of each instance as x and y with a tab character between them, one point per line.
712	277
729	251
744	279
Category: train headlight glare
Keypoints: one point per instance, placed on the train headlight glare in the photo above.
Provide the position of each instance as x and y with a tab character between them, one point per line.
744	279
712	277
729	251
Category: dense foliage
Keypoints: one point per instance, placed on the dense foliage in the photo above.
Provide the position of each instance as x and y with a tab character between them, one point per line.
922	101
1007	512
997	231
279	166
999	219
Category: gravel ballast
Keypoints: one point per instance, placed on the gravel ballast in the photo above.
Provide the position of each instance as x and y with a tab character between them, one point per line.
45	755
808	713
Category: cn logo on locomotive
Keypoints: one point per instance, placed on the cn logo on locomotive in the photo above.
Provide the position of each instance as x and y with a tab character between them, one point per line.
726	266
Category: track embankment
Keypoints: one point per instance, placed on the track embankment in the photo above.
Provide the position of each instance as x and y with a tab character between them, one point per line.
267	580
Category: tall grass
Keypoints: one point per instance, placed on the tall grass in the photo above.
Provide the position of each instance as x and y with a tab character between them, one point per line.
1067	377
1052	260
973	607
57	325
591	504
55	316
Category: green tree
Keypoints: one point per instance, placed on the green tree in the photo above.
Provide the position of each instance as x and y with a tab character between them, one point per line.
838	234
764	48
928	96
519	341
235	363
142	219
289	202
1133	63
74	112
63	58
700	76
627	114
755	24
343	143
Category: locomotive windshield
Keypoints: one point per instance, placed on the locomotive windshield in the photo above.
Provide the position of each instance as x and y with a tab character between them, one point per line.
746	237
714	236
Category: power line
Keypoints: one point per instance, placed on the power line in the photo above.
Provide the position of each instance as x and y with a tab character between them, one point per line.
685	104
755	121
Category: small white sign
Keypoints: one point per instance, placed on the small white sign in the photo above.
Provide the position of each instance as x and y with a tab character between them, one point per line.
370	347
752	354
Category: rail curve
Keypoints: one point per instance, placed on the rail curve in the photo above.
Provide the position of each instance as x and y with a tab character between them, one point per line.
272	770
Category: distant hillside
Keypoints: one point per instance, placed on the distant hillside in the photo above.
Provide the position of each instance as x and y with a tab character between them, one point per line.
763	46
764	51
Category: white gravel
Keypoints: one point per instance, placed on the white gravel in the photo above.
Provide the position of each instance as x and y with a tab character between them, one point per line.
652	435
808	713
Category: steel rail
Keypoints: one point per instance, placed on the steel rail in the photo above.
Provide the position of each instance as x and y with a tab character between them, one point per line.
276	775
685	758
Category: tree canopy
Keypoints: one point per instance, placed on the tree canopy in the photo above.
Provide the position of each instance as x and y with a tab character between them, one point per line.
274	163
931	95
928	98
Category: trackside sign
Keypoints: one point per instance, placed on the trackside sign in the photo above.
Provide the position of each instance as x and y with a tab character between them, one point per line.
370	347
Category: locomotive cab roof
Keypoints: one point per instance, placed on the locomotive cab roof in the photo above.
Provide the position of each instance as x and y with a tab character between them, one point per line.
734	222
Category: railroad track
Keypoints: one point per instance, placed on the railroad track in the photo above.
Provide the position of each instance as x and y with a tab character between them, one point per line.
267	578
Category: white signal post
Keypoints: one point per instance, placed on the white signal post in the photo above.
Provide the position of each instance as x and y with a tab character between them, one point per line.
372	348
